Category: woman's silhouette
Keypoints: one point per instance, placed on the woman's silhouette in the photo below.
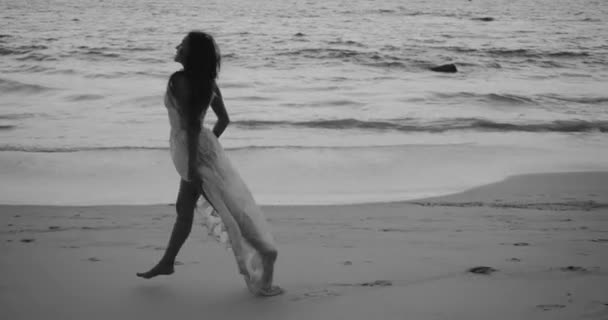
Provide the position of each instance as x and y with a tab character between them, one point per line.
205	170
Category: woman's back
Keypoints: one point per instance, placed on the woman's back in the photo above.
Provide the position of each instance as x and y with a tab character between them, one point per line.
179	103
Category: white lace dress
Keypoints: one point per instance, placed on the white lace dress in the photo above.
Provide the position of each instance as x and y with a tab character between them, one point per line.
225	191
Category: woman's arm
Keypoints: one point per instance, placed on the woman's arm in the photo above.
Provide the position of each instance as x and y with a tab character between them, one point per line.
217	104
191	115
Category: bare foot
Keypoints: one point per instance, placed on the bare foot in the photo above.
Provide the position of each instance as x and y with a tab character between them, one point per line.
255	288
270	292
159	269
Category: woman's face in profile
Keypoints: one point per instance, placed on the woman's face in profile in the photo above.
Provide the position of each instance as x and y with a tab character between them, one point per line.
181	49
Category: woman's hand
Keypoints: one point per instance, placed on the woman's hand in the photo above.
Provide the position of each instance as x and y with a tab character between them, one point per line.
217	104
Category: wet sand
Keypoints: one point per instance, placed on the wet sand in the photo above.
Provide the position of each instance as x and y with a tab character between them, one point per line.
543	239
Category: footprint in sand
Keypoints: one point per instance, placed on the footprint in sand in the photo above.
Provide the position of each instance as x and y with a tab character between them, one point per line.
549	307
321	293
516	244
482	270
599	240
392	230
577	269
324	293
376	283
149	246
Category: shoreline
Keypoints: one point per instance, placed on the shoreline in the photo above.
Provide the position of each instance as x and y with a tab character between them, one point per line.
284	177
498	193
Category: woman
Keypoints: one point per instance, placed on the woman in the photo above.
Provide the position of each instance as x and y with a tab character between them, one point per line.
205	170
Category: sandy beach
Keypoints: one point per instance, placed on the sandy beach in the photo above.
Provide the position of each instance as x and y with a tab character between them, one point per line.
543	237
393	191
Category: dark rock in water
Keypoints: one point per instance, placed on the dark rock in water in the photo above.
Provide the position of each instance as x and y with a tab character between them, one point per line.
299	34
487	19
445	68
482	270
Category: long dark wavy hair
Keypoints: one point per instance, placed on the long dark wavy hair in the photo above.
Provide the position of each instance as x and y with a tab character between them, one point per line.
202	61
201	66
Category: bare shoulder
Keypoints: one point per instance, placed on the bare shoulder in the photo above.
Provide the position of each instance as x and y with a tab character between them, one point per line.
178	84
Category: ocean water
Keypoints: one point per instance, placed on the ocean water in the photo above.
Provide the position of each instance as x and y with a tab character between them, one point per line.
331	101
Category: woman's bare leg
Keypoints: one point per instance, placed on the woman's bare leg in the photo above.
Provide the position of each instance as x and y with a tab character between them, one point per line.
186	202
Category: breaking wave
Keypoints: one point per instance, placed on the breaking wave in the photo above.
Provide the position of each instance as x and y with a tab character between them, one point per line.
416	125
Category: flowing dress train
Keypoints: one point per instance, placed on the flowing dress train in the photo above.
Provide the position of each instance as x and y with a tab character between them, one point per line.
226	191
